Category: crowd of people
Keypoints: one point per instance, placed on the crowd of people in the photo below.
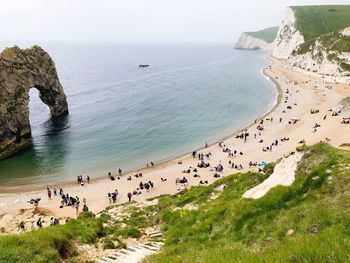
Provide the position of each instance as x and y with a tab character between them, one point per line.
204	158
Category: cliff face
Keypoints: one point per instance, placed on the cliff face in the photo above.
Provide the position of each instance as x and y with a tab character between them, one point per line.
317	55
247	41
20	70
322	61
288	37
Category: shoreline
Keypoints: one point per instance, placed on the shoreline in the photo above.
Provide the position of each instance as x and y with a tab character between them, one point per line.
39	186
300	94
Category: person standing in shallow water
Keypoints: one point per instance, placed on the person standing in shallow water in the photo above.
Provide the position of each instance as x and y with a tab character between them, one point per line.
120	172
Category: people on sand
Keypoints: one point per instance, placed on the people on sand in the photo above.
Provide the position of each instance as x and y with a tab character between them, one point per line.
21	227
76	206
208	167
39	223
85	208
48	193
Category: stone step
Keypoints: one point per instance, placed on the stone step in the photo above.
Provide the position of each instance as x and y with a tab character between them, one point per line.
159	234
153	232
155	244
132	254
149	247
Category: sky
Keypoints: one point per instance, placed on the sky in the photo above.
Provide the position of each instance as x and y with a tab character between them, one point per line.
140	20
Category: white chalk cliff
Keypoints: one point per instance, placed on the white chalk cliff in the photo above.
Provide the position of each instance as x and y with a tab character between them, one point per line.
318	59
288	37
247	41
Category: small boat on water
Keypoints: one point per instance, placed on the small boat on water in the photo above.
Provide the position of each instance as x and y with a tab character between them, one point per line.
143	65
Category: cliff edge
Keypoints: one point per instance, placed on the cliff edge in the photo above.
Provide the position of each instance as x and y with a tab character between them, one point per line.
247	41
21	70
257	40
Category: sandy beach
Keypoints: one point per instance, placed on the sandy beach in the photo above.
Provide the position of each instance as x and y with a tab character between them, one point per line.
299	93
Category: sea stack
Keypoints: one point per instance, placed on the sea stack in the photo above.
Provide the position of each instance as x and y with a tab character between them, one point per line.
21	70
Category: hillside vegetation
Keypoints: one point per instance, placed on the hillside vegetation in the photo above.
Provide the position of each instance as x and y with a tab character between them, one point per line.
306	222
267	34
314	210
314	21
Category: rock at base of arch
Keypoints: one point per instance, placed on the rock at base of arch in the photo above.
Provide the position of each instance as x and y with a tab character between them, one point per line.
20	70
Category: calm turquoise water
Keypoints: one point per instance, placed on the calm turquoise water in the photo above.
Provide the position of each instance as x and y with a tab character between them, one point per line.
124	116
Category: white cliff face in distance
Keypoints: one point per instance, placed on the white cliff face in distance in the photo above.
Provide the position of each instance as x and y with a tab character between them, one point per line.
318	59
247	41
288	37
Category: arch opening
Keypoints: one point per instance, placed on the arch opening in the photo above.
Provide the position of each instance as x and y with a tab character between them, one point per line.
22	69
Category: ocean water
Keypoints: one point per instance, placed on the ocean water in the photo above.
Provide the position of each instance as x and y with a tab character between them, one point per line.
123	116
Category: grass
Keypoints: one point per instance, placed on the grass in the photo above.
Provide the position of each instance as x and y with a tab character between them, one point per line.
267	34
224	229
50	244
314	21
232	229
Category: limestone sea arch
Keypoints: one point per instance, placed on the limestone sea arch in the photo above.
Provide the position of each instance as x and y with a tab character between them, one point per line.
21	70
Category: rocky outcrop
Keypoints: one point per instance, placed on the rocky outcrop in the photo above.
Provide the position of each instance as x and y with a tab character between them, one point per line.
247	41
21	70
288	37
321	61
346	32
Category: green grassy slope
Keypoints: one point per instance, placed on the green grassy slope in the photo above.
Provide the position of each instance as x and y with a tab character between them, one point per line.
50	244
267	34
314	21
231	229
227	228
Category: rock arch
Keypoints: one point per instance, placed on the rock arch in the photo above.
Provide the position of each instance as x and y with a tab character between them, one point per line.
20	70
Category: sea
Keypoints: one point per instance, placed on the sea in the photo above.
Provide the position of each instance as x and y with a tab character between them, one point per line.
124	116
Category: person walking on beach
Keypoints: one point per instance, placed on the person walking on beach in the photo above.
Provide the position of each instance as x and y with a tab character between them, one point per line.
21	227
129	196
116	193
76	206
49	193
